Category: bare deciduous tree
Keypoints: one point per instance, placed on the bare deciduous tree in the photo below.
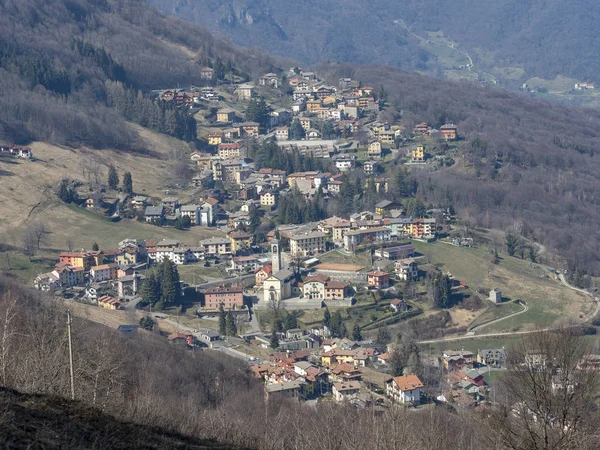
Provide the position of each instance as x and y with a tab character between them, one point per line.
548	393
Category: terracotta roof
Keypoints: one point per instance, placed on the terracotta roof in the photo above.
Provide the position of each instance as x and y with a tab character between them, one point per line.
266	269
408	382
212	201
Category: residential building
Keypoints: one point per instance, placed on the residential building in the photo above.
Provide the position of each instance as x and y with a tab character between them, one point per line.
191	211
366	236
269	79
262	273
420	228
216	246
449	131
492	357
47	282
399	305
230	297
385	206
374	150
422	128
240	241
282	133
268	198
84	259
381	184
170	203
108	302
225	170
338	229
229	151
344	162
418	154
215	137
343	390
248	129
323	288
457	359
378	279
308	244
103	272
207	73
405	389
406	269
245	263
370	167
225	115
245	92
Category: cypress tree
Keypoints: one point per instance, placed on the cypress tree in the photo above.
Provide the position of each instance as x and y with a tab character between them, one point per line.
230	324
127	183
327	318
356	333
113	177
169	285
274	340
150	290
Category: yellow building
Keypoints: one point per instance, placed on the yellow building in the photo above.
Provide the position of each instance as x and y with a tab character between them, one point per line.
267	198
240	240
339	229
215	138
313	105
225	115
418	154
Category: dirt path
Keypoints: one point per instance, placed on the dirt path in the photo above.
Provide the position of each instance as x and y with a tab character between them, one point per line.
500	319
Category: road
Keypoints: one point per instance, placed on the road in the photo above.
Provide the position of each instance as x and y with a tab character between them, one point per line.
583	320
500	319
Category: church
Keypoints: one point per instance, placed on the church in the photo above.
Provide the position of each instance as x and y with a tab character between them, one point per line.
279	285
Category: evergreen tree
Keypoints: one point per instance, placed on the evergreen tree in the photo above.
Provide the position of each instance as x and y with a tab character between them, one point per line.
296	132
146	323
512	242
274	340
291	321
327	318
171	288
356	333
222	321
95	247
150	290
230	324
127	183
113	178
396	363
338	329
254	220
64	192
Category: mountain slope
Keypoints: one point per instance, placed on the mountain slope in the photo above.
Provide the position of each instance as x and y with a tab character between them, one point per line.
58	56
546	38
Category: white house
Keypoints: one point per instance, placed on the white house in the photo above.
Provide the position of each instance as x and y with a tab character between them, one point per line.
405	389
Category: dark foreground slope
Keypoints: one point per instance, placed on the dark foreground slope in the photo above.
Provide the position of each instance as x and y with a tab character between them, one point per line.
32	421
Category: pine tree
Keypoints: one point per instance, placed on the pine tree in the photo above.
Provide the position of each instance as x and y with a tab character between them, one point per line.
169	285
274	340
113	178
150	290
95	247
230	324
356	333
222	321
64	193
396	363
127	183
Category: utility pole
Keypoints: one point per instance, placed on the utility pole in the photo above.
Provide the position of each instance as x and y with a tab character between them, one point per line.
71	355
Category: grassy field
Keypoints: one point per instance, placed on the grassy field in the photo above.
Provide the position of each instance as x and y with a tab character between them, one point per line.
547	299
16	265
196	274
496	311
28	190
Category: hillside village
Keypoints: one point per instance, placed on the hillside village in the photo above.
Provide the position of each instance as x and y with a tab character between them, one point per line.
263	180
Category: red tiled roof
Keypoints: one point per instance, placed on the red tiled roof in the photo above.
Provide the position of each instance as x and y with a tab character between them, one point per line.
408	382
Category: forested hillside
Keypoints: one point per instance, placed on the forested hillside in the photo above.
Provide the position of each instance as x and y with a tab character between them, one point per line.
528	164
58	59
545	38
